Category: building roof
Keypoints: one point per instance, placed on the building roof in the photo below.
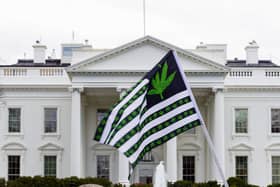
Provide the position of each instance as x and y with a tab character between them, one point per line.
145	40
242	63
30	63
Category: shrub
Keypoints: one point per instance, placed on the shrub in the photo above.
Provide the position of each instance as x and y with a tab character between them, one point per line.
2	182
182	184
237	182
141	185
274	185
118	185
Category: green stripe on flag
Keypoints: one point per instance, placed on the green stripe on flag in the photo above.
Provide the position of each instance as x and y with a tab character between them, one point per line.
157	128
101	126
164	139
152	117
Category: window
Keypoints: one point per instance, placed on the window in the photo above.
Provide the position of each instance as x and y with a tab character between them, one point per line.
148	157
275	169
13	167
241	120
14	120
100	115
67	51
241	167
103	166
275	120
50	166
50	120
189	168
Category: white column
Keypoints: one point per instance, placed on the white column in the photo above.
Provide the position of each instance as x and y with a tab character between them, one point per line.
123	169
76	148
171	159
218	134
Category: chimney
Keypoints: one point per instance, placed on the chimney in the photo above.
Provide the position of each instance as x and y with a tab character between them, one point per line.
39	52
252	56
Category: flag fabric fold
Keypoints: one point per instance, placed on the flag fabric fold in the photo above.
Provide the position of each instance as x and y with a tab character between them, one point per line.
158	108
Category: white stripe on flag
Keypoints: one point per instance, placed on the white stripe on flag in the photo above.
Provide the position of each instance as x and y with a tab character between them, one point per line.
111	118
133	106
128	110
152	124
128	127
125	130
162	133
164	104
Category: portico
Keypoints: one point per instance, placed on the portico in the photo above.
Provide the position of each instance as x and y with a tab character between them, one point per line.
97	83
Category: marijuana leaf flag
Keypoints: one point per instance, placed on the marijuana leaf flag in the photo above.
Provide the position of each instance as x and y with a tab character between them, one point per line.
158	108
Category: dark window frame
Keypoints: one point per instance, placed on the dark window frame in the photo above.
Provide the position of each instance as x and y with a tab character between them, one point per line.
14	164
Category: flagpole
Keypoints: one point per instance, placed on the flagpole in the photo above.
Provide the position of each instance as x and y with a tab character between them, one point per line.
144	16
203	126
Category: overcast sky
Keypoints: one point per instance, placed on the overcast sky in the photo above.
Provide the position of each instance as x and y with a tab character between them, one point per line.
109	23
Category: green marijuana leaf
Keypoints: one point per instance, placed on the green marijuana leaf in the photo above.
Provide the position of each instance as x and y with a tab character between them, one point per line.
161	82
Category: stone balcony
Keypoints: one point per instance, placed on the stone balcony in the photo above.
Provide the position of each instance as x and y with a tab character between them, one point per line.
33	76
253	77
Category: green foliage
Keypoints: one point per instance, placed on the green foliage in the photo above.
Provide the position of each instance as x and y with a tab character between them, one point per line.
2	182
39	181
237	182
118	185
182	184
161	82
274	185
141	185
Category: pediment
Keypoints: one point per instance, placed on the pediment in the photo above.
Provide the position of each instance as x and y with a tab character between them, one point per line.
14	146
273	147
50	147
141	55
190	147
103	147
241	147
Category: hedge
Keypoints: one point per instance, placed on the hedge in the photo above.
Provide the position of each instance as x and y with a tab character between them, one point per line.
2	182
39	181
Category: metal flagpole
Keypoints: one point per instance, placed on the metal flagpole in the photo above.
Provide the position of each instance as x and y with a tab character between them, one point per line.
203	126
144	16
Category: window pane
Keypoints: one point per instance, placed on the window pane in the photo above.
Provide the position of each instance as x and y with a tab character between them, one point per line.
147	157
275	120
100	114
241	167
14	119
50	166
189	168
50	120
241	120
103	166
275	169
13	167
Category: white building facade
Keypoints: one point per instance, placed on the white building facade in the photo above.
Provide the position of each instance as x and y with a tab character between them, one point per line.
50	108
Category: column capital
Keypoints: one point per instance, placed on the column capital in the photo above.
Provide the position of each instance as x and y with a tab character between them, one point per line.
218	89
2	103
121	89
76	89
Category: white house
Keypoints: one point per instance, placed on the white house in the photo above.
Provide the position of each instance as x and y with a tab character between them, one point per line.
49	110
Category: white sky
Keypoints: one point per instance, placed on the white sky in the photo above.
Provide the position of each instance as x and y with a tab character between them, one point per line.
109	23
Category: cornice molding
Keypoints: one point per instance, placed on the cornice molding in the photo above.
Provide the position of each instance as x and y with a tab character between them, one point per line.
252	89
142	73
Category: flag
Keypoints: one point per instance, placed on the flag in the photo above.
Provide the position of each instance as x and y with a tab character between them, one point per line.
158	108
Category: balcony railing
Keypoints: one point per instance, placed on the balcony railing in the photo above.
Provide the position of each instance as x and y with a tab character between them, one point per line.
25	72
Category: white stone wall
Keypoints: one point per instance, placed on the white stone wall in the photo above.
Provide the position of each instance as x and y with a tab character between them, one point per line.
32	137
258	141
